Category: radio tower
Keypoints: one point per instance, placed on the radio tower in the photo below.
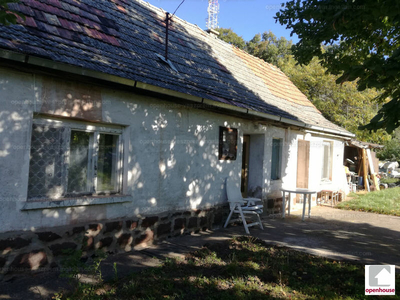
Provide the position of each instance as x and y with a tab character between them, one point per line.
212	20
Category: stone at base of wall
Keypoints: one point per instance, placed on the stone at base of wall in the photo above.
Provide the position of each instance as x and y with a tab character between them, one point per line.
30	252
272	206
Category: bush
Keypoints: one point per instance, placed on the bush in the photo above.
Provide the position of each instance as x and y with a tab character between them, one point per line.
391	151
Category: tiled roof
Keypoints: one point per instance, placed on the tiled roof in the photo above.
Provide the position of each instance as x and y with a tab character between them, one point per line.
122	38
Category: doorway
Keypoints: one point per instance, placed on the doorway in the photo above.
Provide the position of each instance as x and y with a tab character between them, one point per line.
252	165
245	165
303	163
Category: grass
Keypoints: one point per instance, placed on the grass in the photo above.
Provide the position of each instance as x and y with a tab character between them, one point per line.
241	268
382	202
390	180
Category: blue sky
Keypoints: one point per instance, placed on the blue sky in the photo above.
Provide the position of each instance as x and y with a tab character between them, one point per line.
245	17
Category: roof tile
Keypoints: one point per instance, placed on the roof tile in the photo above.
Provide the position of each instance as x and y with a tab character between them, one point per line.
52	19
30	22
55	3
47	28
26	10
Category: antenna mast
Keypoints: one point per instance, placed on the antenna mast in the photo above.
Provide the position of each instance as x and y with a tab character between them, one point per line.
213	9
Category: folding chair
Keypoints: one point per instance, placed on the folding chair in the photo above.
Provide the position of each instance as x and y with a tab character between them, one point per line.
242	206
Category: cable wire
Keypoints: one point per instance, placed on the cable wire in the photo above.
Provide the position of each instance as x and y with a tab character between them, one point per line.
177	8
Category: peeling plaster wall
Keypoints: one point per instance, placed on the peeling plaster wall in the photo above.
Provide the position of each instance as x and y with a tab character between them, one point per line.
171	152
17	98
69	99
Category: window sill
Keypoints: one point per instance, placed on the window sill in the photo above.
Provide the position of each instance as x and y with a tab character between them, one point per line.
326	182
276	180
78	201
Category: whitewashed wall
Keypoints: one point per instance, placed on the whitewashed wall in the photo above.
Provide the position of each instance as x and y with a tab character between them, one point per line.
171	156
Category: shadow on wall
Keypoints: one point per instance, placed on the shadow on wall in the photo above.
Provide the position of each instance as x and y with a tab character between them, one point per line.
15	114
173	152
174	157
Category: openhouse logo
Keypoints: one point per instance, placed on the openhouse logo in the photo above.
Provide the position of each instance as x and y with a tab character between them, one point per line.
380	280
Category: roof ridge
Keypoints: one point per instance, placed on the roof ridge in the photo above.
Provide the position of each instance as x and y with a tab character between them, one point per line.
156	8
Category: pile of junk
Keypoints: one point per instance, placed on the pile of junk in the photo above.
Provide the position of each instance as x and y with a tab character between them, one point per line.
362	166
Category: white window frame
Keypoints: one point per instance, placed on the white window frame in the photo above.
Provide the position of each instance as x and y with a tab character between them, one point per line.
329	165
96	130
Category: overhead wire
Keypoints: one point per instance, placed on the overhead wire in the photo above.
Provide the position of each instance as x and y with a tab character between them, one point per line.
177	8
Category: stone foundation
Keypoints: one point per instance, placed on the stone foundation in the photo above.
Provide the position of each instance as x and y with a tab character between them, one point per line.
272	206
30	252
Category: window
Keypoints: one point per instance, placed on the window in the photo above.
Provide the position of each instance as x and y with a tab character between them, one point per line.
227	143
276	160
326	174
69	159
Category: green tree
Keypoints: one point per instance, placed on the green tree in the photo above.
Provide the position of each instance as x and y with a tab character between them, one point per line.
365	35
227	35
391	151
269	48
342	104
8	16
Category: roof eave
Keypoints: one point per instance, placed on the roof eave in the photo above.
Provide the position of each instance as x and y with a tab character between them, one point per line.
58	66
348	135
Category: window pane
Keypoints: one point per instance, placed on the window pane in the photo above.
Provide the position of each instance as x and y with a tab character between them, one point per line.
78	162
107	168
326	163
46	163
227	143
276	159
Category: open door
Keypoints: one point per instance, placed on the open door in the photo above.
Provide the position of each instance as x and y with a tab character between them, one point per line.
303	163
245	165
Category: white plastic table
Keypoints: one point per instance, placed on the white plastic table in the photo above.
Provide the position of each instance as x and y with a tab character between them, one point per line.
305	192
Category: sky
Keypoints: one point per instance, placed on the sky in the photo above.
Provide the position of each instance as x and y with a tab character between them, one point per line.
245	17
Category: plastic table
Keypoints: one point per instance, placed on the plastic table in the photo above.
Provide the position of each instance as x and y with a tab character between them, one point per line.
307	194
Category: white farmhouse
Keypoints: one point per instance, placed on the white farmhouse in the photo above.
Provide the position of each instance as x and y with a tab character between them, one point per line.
106	143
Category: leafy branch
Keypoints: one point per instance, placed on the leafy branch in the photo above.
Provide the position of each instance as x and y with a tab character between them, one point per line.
7	15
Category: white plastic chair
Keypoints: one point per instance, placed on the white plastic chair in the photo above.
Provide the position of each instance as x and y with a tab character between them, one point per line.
242	206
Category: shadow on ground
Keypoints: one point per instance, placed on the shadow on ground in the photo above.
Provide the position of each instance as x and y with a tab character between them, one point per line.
342	235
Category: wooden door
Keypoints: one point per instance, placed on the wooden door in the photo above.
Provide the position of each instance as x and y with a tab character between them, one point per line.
245	165
303	162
